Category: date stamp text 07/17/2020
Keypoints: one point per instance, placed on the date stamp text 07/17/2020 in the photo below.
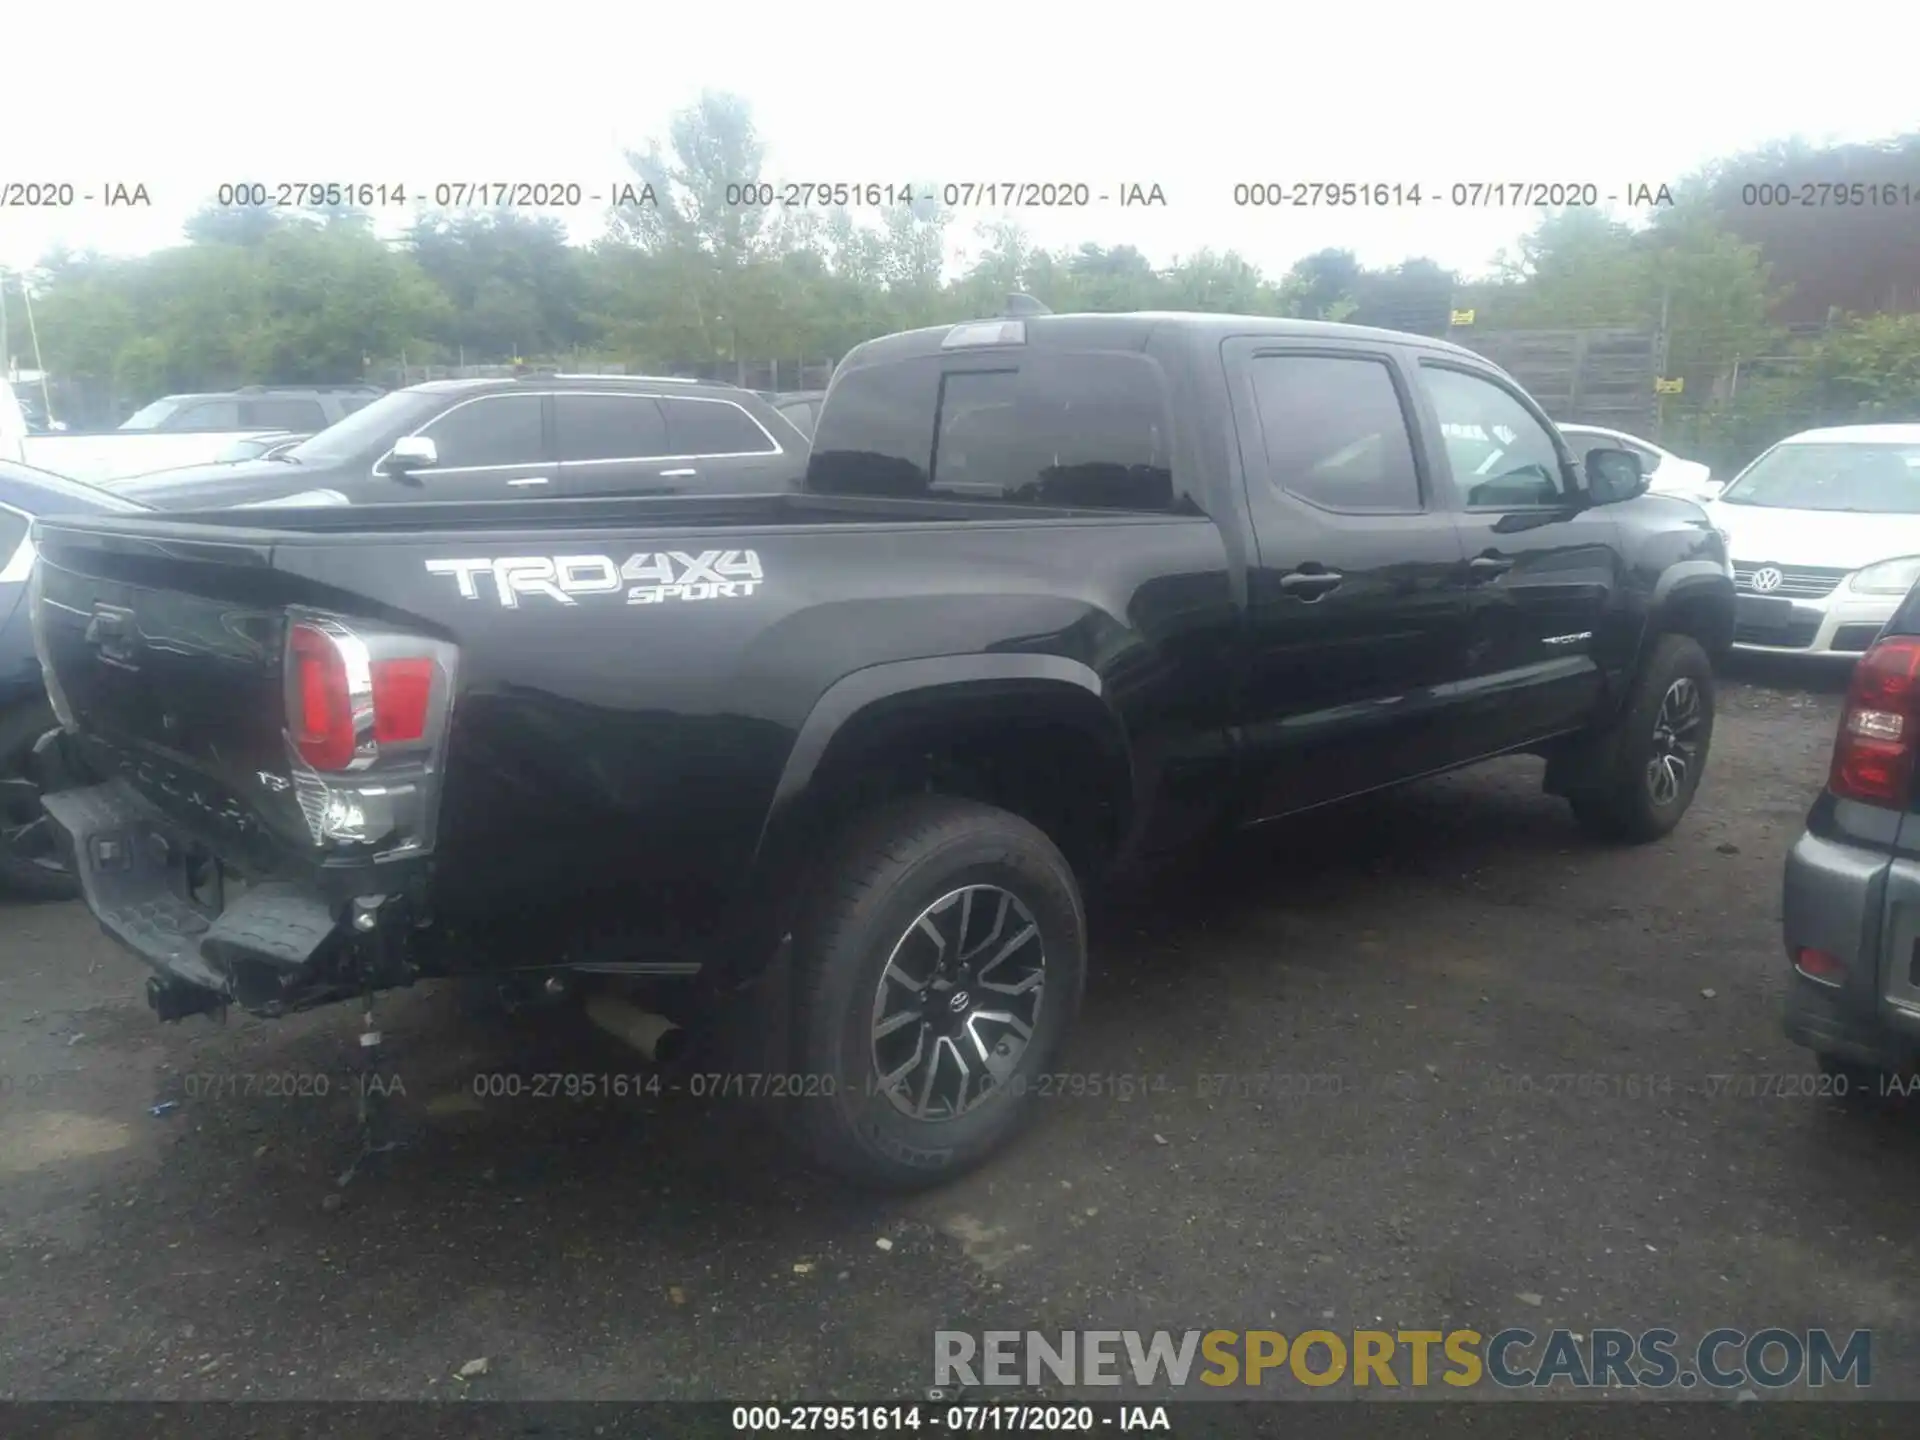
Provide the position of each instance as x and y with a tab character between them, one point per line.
55	193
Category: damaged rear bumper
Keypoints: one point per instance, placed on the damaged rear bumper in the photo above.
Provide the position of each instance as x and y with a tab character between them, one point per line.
268	949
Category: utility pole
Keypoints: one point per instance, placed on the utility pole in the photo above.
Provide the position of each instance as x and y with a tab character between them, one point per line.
6	355
1662	351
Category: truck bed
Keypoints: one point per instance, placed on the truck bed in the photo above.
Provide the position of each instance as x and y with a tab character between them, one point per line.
627	681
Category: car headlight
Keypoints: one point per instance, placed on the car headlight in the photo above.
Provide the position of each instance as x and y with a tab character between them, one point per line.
1889	577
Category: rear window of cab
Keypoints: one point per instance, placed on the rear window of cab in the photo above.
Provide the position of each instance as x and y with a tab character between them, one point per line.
1050	428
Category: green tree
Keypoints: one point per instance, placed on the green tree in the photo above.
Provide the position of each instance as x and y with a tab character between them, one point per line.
1867	369
514	286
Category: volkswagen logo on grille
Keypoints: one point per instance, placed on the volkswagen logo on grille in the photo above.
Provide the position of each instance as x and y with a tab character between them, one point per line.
1767	577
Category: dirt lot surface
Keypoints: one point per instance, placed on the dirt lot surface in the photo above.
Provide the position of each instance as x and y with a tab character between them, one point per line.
1418	978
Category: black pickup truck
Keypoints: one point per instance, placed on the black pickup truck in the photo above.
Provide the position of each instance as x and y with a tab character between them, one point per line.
1060	593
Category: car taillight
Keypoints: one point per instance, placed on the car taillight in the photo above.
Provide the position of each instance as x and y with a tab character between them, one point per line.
402	691
1819	965
322	701
1873	758
345	700
367	715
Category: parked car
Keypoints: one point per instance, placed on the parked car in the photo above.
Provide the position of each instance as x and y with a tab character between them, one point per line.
30	863
1060	593
1824	529
1850	913
186	430
258	447
802	407
305	408
1667	473
550	435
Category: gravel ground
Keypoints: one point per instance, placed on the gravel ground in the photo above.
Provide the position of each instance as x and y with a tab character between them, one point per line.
1428	964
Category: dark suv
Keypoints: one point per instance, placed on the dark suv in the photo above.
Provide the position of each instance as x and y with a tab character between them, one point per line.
530	436
303	408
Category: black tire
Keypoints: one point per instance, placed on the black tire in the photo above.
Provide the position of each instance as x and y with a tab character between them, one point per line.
1623	799
30	867
889	869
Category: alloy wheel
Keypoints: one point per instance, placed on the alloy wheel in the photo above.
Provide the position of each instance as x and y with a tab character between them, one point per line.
958	1002
1676	742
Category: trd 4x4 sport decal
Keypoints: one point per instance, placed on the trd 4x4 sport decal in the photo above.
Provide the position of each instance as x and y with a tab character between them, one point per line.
649	578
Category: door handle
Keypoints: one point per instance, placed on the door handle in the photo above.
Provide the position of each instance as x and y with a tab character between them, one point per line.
1310	584
1488	567
676	474
530	480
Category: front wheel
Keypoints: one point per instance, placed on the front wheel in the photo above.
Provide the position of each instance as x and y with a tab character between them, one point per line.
1649	765
938	969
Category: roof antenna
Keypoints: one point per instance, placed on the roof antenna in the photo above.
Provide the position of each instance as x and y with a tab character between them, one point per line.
1019	303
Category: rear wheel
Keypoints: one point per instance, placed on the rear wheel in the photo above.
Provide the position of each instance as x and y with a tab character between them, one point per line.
31	864
1649	765
938	970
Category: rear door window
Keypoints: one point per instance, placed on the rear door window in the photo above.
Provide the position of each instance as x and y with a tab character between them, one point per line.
610	427
712	427
1041	428
1336	435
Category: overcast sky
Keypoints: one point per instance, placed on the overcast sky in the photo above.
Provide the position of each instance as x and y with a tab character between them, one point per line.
1192	97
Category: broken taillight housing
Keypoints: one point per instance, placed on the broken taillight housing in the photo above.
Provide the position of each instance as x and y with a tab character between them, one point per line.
367	713
1873	756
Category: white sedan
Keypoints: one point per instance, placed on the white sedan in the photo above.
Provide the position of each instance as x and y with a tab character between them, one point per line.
1824	534
1668	473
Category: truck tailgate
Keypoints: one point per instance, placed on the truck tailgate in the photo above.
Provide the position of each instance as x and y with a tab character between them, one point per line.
167	669
266	755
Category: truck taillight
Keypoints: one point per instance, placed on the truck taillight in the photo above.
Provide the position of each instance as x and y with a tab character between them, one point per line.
344	702
321	708
402	691
1873	758
367	712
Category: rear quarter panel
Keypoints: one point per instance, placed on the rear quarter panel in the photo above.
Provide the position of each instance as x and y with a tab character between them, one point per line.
613	762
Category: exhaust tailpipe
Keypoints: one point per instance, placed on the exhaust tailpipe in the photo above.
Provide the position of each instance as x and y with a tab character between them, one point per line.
654	1036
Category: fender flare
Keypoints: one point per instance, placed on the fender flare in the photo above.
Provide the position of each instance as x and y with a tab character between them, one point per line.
859	692
752	946
1682	581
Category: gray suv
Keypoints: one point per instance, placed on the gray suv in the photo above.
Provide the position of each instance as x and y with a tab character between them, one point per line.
1851	909
301	409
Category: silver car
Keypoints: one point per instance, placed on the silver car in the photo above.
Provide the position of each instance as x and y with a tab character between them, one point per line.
1851	909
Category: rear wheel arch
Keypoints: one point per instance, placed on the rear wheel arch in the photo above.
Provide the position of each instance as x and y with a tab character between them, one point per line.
1031	734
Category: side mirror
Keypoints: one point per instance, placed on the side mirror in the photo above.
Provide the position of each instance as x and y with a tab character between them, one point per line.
412	452
1614	475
